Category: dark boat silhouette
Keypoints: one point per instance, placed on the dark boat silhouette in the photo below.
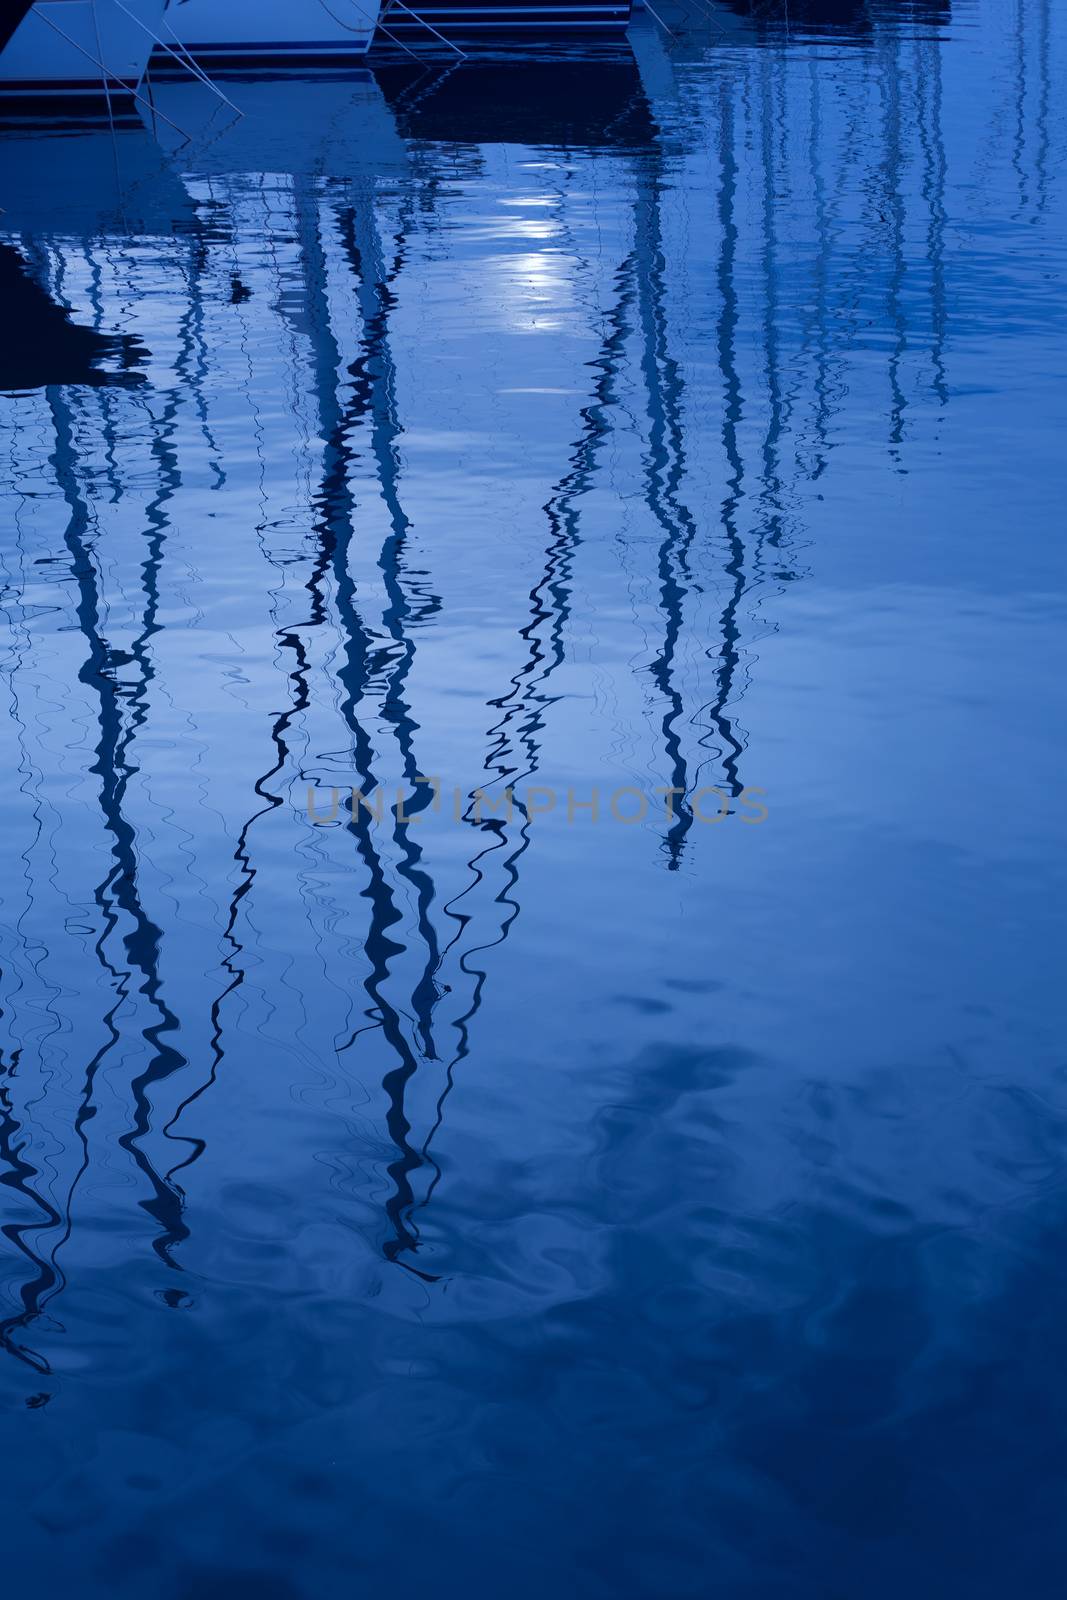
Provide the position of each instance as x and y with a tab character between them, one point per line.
11	14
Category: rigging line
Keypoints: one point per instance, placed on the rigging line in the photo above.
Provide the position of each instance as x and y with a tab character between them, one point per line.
106	73
400	6
389	34
111	126
657	18
394	38
709	18
408	99
190	63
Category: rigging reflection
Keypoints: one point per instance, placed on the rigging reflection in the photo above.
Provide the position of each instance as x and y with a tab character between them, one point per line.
708	440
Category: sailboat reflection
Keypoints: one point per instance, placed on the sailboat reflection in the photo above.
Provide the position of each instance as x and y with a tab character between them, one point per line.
689	393
119	680
331	221
485	911
116	677
754	532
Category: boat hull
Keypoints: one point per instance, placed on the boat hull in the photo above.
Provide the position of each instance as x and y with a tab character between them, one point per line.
465	20
219	34
58	51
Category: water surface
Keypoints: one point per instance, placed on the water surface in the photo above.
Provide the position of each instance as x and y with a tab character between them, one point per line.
467	1201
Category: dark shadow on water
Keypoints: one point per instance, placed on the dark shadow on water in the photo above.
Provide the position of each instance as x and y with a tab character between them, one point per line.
842	20
566	103
40	344
11	14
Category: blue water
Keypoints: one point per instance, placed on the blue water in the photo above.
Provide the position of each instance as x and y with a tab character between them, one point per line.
489	1205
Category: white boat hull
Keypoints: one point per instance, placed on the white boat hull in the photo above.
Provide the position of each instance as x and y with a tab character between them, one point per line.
257	33
82	49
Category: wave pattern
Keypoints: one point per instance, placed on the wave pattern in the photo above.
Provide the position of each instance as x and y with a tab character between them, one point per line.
444	513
